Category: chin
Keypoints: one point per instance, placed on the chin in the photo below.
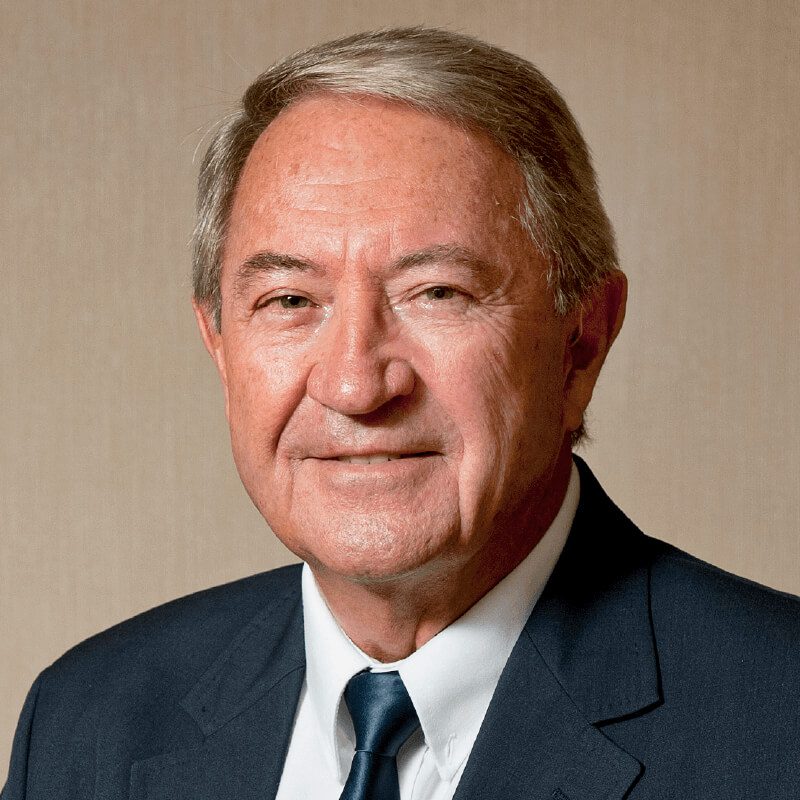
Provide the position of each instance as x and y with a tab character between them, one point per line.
371	549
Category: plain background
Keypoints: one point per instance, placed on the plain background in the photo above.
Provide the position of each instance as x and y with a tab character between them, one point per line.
117	489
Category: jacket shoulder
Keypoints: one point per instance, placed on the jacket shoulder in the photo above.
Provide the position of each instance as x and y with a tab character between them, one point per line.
135	665
696	595
709	596
182	635
727	647
118	696
725	718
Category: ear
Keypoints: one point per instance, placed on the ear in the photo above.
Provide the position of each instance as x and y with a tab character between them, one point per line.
594	327
212	339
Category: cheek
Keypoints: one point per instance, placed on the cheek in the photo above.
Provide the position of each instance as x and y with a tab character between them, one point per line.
264	388
504	396
501	382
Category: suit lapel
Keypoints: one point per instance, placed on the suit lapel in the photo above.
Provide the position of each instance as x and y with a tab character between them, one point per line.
587	656
541	747
245	706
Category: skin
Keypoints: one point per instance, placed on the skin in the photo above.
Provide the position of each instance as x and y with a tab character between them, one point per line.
379	296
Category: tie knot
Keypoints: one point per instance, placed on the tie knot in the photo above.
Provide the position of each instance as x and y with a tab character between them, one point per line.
382	712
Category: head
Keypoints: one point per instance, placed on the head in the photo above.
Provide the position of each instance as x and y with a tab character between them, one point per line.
401	253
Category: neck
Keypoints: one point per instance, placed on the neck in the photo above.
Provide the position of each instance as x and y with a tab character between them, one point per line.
391	619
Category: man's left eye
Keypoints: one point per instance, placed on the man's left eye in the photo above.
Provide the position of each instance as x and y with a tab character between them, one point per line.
440	293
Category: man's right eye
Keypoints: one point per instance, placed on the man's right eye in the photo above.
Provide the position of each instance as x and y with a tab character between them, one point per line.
288	301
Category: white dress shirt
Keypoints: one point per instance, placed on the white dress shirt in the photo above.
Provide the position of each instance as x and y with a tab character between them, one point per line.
450	679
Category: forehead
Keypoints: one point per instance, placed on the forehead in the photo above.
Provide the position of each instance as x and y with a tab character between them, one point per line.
373	167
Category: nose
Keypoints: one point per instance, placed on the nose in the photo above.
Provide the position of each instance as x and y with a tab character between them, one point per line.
356	368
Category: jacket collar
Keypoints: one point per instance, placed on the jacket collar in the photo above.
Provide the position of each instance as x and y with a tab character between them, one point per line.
587	656
592	625
268	649
245	706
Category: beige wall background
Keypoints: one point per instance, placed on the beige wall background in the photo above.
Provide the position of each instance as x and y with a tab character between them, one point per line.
117	490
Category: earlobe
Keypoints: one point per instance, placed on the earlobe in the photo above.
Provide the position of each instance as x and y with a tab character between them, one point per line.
577	331
597	324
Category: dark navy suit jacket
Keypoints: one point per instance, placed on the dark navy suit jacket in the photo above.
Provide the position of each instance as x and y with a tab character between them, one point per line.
642	673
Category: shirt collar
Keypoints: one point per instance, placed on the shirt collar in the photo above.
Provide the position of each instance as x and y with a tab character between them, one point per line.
452	677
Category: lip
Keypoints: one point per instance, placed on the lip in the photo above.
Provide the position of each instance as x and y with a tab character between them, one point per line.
393	454
335	481
376	460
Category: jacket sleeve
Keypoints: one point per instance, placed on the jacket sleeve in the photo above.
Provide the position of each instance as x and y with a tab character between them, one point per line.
16	785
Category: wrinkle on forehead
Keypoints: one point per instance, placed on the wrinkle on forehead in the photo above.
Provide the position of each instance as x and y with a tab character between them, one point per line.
346	199
356	136
372	177
342	184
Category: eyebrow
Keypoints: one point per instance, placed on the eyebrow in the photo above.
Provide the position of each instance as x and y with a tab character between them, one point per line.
270	261
451	253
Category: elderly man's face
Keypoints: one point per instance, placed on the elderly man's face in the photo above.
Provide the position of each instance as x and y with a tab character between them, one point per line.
394	370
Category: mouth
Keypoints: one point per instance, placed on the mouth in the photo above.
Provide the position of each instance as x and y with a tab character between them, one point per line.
379	458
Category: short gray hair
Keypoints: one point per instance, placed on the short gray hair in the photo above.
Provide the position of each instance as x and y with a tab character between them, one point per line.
453	76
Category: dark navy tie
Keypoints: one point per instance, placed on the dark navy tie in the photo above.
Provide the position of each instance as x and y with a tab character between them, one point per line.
383	719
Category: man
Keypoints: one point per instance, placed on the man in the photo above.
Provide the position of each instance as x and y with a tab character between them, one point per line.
408	285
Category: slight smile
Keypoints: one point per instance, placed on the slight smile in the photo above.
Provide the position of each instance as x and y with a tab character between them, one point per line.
380	458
